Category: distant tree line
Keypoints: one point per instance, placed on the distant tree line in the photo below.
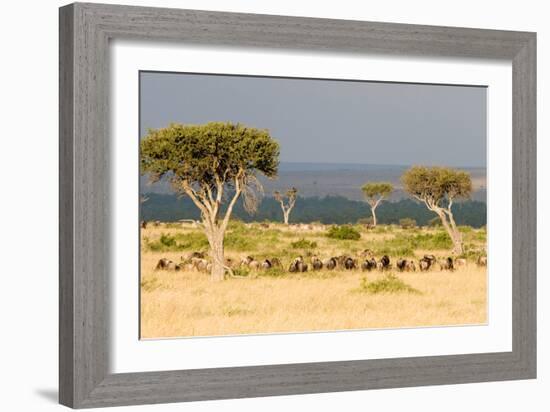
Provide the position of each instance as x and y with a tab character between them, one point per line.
328	210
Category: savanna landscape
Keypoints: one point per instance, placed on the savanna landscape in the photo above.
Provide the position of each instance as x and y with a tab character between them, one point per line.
186	302
281	205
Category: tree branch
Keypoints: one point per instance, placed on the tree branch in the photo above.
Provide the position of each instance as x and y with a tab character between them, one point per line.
238	191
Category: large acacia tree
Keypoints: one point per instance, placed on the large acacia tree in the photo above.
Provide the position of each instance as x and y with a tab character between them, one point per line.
437	188
290	195
214	163
376	192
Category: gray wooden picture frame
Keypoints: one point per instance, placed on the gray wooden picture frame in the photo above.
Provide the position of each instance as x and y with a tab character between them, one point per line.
85	32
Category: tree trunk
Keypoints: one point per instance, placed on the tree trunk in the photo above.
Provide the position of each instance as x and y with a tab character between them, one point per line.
457	236
286	215
373	212
217	254
453	233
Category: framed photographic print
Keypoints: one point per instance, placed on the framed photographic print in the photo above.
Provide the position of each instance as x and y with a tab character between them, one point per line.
256	205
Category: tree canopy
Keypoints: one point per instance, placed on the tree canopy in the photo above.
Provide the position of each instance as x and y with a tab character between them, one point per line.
204	154
433	185
290	194
374	189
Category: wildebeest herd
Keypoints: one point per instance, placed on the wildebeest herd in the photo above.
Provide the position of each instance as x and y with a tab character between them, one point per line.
365	261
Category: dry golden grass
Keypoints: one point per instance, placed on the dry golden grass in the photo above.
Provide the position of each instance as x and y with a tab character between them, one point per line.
188	303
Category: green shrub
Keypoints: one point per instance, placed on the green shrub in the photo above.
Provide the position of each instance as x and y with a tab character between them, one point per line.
241	271
240	242
389	284
394	251
439	240
179	242
343	232
404	244
194	241
165	243
303	244
472	252
407	223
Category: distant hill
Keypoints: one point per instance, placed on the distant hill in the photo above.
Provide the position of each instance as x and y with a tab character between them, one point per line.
335	179
327	209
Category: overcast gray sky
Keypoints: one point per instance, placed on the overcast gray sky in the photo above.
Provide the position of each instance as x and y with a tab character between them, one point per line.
332	121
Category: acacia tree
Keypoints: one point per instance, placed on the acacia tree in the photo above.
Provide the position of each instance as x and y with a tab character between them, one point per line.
437	188
290	195
376	192
214	164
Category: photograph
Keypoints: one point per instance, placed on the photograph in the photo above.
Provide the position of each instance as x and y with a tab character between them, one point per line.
294	205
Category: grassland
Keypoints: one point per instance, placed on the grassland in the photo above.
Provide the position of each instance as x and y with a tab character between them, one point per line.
188	303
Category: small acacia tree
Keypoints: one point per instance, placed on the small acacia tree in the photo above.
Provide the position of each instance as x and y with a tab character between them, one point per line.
376	192
213	163
290	195
437	188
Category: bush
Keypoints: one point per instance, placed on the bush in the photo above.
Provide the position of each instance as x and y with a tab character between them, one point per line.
241	271
389	284
404	244
407	223
394	250
472	252
343	232
439	240
165	243
239	242
303	244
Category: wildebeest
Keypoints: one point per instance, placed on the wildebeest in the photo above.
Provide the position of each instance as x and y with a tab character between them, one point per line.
143	224
341	260
187	266
460	262
330	263
349	263
446	264
482	261
271	263
426	262
384	262
369	264
202	265
405	265
247	260
200	255
162	264
167	264
298	265
316	263
401	263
